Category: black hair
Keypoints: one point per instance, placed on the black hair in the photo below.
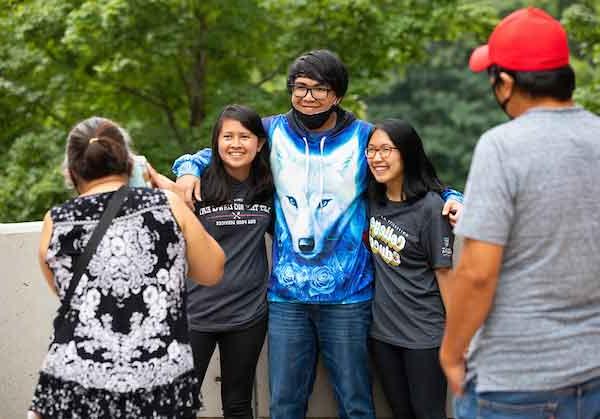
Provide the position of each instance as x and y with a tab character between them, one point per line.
97	147
216	182
558	84
323	66
420	176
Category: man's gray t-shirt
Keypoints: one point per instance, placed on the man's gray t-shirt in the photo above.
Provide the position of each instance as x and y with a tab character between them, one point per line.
239	299
409	240
534	188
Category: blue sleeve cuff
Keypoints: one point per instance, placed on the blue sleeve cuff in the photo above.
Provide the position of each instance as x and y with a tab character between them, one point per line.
452	194
192	164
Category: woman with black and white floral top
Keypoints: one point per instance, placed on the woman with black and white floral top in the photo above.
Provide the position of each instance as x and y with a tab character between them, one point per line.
123	350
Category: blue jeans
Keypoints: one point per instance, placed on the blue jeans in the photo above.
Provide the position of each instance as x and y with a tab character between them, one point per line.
297	332
576	402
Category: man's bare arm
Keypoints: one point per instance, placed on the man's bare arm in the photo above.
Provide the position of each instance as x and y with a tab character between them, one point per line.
472	295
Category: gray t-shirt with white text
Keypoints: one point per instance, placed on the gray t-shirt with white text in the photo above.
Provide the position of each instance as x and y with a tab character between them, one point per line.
239	300
534	188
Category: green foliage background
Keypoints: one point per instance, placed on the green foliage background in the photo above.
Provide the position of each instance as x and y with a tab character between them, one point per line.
165	68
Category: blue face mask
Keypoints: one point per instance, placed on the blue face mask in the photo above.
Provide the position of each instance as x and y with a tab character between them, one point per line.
313	121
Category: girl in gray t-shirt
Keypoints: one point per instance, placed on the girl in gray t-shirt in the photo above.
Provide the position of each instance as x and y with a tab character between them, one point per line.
412	252
236	209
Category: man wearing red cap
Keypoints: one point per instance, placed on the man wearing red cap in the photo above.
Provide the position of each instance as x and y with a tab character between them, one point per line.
526	296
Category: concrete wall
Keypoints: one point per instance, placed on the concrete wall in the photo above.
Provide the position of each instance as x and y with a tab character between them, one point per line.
27	309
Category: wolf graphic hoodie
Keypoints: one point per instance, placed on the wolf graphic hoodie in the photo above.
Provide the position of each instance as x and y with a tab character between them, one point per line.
320	209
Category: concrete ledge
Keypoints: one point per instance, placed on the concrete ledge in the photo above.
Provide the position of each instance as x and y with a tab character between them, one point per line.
21	228
26	311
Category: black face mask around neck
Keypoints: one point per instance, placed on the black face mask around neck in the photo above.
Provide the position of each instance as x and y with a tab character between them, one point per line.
313	121
502	104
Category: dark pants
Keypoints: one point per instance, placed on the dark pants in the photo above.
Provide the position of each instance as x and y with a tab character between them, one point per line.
239	351
412	379
297	333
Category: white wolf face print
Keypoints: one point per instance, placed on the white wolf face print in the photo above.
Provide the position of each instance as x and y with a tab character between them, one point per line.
314	191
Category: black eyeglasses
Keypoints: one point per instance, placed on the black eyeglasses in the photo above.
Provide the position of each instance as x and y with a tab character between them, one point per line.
317	92
384	151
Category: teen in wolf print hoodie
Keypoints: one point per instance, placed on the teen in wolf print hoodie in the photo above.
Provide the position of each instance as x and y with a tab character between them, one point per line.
320	209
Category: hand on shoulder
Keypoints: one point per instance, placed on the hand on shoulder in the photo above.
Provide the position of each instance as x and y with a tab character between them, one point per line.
190	185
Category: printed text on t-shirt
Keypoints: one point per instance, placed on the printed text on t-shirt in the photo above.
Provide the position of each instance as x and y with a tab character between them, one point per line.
385	241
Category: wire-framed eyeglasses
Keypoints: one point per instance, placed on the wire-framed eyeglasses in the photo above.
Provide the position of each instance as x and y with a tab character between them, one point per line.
384	151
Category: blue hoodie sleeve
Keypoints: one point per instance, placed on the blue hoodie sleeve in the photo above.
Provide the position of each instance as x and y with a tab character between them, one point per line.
192	164
453	194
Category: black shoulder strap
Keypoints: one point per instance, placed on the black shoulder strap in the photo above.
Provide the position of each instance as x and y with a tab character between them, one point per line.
113	206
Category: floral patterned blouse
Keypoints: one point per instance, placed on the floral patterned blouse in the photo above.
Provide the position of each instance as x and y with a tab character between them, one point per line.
123	349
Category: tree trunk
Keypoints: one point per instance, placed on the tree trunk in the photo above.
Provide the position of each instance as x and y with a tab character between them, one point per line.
197	102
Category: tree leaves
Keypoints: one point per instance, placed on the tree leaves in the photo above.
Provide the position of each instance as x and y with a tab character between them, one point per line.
165	68
583	26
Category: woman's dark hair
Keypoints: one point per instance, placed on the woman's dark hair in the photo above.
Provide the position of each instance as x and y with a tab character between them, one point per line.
323	66
216	182
419	174
97	147
558	84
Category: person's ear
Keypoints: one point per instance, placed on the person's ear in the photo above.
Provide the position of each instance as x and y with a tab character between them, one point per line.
506	87
261	143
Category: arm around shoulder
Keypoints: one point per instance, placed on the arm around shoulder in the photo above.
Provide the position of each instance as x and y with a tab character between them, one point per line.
453	205
206	259
188	169
192	164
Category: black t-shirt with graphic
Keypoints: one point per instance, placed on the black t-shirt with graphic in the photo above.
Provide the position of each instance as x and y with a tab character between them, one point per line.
240	298
409	240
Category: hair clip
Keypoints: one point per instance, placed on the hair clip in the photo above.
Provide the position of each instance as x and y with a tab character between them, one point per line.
93	140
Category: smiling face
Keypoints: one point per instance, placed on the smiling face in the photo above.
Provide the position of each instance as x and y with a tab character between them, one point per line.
308	104
387	170
238	147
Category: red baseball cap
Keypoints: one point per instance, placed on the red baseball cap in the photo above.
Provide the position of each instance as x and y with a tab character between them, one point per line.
526	40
